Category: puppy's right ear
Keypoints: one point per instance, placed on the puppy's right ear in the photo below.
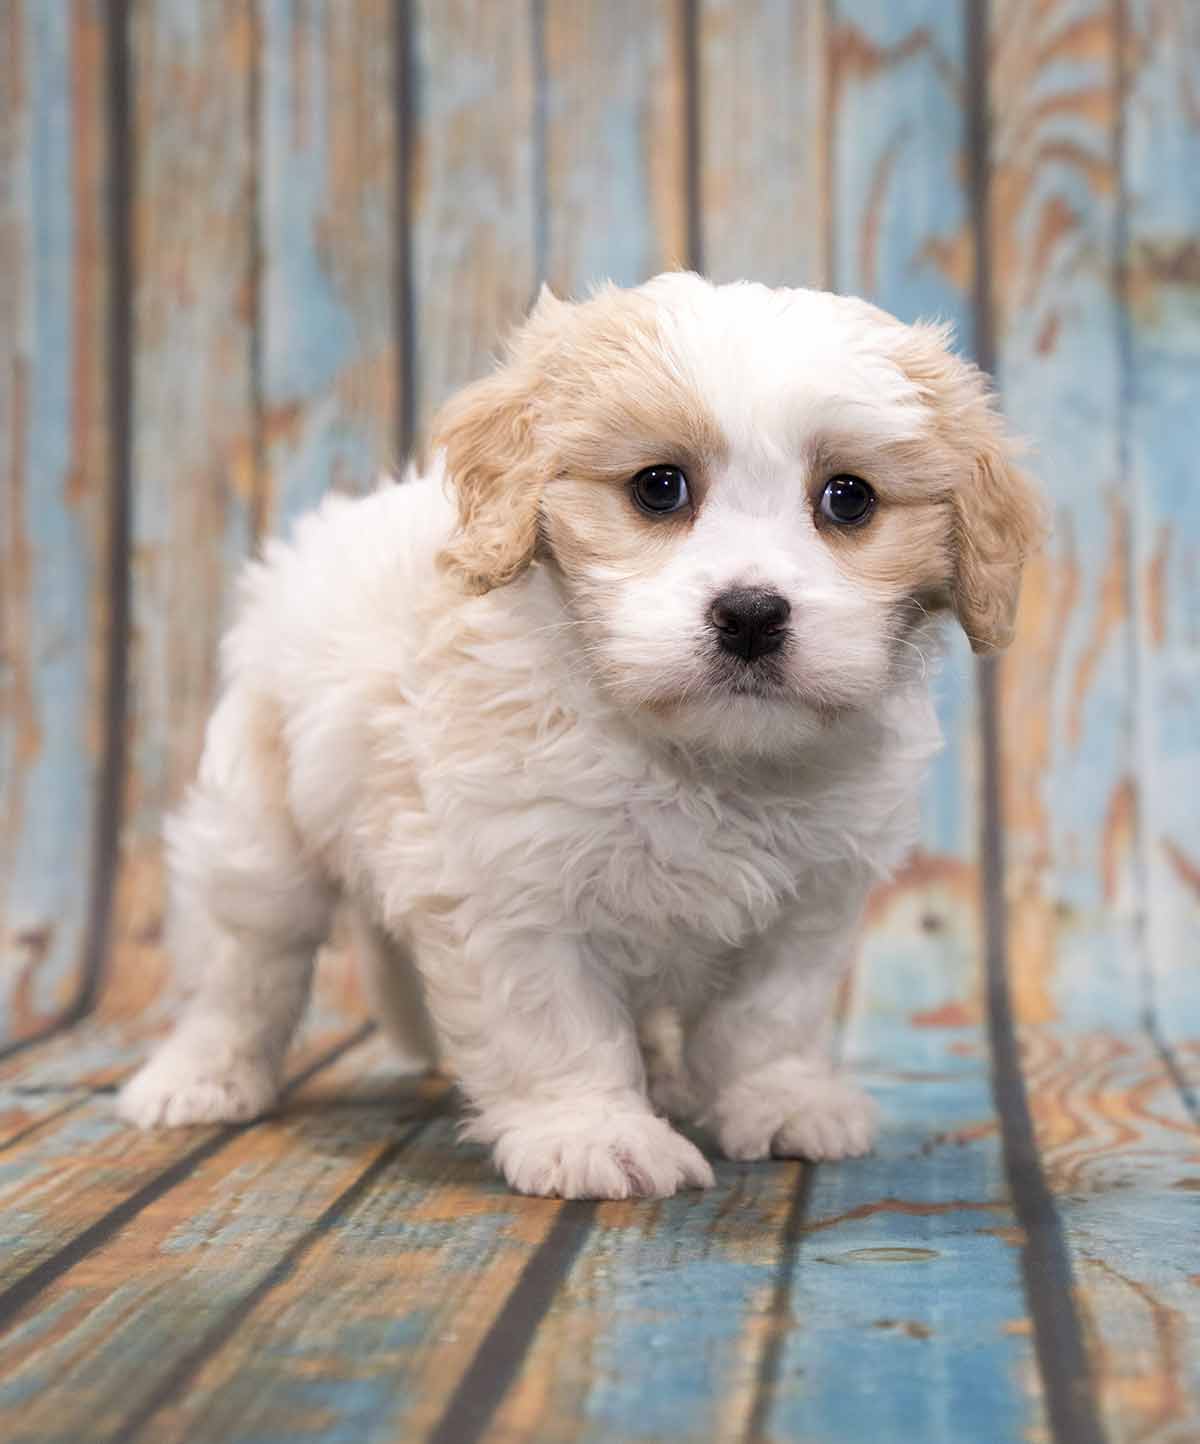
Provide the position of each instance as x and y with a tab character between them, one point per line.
495	468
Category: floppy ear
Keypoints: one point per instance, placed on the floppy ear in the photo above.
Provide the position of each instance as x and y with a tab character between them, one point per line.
494	466
487	435
999	522
998	517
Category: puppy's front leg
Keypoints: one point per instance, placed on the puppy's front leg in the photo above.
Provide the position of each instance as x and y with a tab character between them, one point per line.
758	1054
548	1056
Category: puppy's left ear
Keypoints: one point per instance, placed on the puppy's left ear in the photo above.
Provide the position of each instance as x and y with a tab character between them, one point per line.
999	523
495	467
999	520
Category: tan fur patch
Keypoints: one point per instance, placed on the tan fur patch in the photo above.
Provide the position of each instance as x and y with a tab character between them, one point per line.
585	401
998	517
590	522
906	549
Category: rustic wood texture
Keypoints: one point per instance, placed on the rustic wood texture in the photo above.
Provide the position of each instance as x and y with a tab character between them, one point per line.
474	188
63	1180
1113	1131
194	457
907	1274
54	508
337	209
898	228
69	1185
327	106
616	142
265	367
763	141
327	311
1160	279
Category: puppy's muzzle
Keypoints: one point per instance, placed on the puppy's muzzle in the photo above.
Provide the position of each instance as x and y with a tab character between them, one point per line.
750	622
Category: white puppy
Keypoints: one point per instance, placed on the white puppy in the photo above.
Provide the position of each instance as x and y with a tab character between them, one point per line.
621	706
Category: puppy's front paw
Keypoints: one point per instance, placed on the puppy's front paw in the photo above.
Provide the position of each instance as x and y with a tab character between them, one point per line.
563	1153
835	1120
808	1114
179	1086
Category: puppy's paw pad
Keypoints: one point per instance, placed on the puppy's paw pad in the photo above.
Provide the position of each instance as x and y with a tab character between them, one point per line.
172	1092
629	1155
835	1121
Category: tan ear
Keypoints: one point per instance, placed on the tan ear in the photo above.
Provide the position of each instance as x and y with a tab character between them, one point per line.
998	516
487	435
1000	523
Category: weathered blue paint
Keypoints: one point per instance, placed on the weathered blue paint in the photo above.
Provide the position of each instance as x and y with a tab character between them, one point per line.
326	306
399	1269
193	462
1058	337
474	227
901	238
53	1186
660	1329
57	1183
614	143
24	1114
53	501
1114	1133
908	1316
410	1280
1162	374
90	1054
763	180
909	1282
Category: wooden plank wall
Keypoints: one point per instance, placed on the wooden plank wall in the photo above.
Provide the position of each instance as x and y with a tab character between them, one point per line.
58	606
220	298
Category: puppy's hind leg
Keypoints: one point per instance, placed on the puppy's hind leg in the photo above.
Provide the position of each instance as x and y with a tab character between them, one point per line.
661	1035
394	989
248	912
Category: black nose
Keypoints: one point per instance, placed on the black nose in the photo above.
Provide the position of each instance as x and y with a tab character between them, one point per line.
750	621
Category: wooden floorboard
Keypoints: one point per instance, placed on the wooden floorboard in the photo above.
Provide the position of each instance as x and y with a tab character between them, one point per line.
347	1271
70	1187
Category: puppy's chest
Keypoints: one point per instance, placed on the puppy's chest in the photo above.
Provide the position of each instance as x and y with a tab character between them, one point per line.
699	865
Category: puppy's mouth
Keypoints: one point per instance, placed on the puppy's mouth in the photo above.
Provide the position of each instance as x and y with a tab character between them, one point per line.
762	678
766	680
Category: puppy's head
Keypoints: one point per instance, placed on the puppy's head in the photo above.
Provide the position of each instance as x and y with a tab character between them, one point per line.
753	500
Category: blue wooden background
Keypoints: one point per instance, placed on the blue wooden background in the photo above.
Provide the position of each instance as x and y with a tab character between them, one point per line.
247	247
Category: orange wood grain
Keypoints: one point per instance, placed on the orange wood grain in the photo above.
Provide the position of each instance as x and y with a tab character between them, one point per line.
475	188
61	1180
55	506
195	474
1117	1145
765	142
417	1270
616	142
326	132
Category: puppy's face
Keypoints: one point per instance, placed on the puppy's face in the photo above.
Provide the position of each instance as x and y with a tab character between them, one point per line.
753	500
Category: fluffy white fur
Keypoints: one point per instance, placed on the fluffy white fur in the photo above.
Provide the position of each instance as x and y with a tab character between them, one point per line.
553	808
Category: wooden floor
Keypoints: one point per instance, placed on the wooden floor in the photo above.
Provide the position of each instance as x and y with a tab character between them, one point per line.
1020	1259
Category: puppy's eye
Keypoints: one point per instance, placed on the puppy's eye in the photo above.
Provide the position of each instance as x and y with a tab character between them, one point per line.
660	490
846	500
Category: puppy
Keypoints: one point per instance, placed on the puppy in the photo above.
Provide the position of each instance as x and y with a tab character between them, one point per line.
620	707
